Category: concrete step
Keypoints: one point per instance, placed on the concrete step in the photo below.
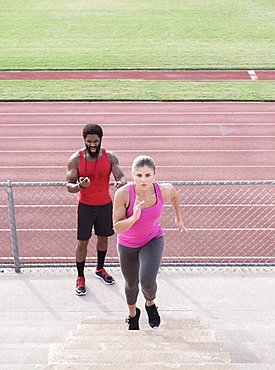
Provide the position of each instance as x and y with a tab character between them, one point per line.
120	357
154	335
170	324
255	366
23	354
167	366
24	367
108	342
33	333
142	346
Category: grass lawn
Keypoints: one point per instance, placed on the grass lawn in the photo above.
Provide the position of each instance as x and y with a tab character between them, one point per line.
129	34
136	90
160	34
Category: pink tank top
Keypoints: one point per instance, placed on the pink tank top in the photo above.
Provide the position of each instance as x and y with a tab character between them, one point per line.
147	226
99	172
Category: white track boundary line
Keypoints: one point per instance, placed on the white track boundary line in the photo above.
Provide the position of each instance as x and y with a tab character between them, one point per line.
151	151
140	137
253	75
195	124
165	229
206	166
133	113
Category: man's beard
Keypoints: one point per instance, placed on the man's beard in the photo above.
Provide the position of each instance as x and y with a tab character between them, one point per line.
93	154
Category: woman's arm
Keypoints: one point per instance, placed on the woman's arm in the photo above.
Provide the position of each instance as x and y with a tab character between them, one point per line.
170	193
121	201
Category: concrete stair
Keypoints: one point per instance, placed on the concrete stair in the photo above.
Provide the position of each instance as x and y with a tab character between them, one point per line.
23	344
106	342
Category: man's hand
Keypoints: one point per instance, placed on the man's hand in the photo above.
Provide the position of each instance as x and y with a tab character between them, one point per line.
84	182
119	184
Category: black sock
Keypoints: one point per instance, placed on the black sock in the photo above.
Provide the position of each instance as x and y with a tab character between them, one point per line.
80	268
100	259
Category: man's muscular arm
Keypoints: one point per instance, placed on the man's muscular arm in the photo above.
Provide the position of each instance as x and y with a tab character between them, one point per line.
116	170
73	183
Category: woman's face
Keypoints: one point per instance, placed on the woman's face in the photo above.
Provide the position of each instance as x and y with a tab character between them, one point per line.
143	177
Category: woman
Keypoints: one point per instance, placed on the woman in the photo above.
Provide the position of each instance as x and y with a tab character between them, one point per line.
137	209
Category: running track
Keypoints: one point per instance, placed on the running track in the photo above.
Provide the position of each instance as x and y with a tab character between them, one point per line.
189	141
227	75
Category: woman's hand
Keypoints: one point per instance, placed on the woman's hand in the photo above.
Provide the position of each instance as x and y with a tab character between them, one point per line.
180	226
137	208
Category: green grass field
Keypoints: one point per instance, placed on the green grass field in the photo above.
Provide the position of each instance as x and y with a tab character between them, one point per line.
137	90
129	34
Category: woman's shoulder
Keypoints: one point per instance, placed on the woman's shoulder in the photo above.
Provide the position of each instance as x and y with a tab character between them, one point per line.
123	191
165	186
167	190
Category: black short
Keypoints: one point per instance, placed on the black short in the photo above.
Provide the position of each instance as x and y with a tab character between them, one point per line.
99	217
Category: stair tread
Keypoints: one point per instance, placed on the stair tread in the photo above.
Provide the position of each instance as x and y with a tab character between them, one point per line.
138	358
174	343
144	346
186	366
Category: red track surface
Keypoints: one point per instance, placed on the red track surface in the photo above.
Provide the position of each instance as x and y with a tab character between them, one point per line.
140	75
189	141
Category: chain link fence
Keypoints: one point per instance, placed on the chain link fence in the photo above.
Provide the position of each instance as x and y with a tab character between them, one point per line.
229	224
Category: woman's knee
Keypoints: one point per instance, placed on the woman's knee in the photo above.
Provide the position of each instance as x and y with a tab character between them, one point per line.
148	285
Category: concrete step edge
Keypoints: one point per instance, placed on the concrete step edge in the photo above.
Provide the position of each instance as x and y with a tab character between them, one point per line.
158	357
186	366
143	331
144	346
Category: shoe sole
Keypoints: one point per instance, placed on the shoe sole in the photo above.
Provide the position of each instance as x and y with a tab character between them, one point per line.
154	327
80	293
99	277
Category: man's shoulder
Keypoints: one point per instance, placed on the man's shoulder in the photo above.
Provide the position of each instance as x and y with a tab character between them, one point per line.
108	152
75	157
111	156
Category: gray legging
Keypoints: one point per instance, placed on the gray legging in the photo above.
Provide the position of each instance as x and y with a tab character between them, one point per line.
141	265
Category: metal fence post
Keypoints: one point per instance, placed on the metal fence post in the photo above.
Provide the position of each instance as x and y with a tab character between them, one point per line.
13	227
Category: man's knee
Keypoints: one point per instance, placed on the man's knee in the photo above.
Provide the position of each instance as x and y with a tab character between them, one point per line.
102	243
82	245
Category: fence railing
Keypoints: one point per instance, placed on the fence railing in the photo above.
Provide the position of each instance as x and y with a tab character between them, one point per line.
229	223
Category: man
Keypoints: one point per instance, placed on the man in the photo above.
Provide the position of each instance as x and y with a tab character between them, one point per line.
88	174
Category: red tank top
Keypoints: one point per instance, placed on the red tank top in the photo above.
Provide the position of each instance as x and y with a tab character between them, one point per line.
99	174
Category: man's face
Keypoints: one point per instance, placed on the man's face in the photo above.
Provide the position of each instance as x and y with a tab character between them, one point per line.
92	143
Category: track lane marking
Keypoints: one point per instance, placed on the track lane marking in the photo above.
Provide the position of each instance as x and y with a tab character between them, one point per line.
136	113
136	136
253	75
185	166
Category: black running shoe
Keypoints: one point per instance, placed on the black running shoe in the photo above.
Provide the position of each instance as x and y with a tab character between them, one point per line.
153	316
133	321
104	276
80	286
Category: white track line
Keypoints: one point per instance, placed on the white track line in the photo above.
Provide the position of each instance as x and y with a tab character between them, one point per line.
196	124
253	75
133	113
149	151
138	137
206	166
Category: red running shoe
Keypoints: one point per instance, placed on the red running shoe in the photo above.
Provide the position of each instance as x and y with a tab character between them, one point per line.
104	276
80	286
